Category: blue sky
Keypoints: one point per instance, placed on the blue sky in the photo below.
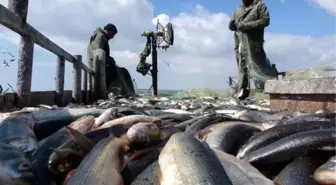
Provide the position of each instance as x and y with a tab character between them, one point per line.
301	35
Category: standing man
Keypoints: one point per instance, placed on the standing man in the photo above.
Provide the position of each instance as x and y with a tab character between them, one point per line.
248	22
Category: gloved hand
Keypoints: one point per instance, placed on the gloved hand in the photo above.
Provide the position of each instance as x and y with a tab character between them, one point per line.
232	26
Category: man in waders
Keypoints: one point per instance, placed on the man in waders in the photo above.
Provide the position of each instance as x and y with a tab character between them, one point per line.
248	23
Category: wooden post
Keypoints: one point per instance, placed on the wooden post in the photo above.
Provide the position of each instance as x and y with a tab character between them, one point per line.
77	79
91	95
26	52
60	69
85	87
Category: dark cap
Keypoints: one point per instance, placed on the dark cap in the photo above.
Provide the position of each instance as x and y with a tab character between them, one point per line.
111	27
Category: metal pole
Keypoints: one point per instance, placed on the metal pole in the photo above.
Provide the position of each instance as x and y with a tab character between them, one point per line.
154	67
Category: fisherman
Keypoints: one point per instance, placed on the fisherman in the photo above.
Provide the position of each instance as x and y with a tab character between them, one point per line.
248	23
109	73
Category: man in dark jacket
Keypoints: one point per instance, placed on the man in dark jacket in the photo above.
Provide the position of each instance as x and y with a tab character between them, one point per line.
109	72
248	23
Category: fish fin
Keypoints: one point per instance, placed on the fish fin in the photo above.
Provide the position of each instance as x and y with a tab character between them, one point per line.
159	174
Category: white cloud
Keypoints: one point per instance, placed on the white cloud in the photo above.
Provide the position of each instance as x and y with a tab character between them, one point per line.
328	5
202	54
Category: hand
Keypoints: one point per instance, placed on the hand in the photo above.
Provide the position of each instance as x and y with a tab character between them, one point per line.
232	26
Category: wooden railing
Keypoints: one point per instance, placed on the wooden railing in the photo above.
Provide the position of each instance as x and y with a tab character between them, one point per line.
14	18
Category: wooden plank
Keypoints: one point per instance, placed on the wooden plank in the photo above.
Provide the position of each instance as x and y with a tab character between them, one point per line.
26	53
77	80
14	22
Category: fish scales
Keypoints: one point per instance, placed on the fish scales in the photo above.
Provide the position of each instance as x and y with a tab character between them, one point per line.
275	133
292	146
98	167
186	161
148	176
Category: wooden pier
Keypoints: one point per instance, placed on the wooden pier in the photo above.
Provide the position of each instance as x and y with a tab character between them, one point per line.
14	18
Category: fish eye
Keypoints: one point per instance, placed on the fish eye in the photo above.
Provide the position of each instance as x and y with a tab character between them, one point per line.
24	166
60	168
67	163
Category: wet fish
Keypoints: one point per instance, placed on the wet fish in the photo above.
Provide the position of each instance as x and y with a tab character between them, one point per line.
257	116
175	117
146	134
102	166
97	135
326	173
148	176
275	133
299	172
41	156
292	146
83	124
139	162
49	121
68	155
241	172
186	161
204	122
182	126
108	115
229	138
131	120
18	132
15	168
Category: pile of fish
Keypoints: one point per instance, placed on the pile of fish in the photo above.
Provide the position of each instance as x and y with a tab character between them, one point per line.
139	141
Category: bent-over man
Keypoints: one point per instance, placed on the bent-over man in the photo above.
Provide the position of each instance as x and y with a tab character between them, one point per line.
107	68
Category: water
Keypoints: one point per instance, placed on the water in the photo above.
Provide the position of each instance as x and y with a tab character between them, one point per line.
162	92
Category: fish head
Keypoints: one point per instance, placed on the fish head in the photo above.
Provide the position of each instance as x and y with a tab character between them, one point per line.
79	140
63	160
15	169
142	133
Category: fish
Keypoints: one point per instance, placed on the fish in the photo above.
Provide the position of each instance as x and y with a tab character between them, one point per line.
97	135
147	176
182	126
257	116
275	133
103	164
204	122
49	121
229	138
292	146
241	172
18	132
15	167
299	172
109	114
186	161
143	134
41	156
68	155
83	124
138	162
326	173
131	120
175	117
127	111
146	134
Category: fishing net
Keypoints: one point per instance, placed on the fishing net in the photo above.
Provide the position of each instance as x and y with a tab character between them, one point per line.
308	73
